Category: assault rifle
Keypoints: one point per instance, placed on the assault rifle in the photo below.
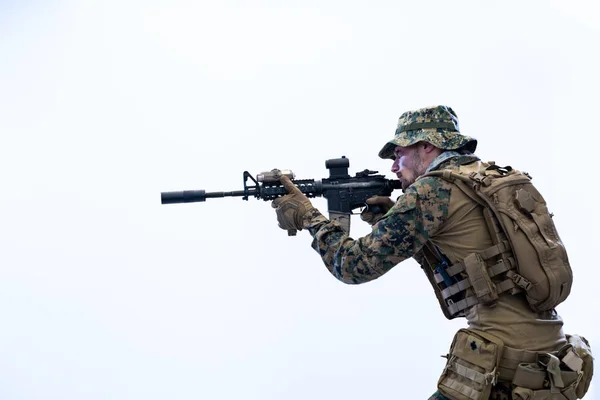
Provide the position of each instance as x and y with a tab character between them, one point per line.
343	192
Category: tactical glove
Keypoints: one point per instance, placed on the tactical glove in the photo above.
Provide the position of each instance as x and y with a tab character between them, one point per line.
291	208
377	207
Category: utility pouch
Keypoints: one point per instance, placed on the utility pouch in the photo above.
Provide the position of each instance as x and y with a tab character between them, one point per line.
562	375
530	375
482	284
472	367
582	348
531	382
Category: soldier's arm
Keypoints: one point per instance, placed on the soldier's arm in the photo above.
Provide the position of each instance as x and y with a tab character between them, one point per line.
415	217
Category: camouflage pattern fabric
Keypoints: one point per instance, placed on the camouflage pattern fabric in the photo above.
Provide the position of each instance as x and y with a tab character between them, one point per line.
451	160
399	235
437	125
501	391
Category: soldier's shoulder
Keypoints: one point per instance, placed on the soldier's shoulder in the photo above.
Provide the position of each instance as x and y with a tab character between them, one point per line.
457	161
430	187
430	195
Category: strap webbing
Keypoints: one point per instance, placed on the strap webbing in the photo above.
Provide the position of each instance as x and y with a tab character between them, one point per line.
459	387
486	255
511	358
493	271
427	125
495	250
456	288
468	373
472	300
505	285
463	304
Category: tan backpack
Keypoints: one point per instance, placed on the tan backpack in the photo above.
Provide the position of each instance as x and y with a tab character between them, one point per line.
525	239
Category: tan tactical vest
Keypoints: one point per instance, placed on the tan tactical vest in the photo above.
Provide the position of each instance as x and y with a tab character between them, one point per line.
527	254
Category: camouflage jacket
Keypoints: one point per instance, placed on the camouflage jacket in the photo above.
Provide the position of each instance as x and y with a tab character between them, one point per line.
415	218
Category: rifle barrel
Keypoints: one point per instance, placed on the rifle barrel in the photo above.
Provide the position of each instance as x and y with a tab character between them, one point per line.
191	196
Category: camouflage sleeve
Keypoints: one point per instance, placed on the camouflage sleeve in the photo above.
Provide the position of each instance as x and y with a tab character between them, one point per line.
416	216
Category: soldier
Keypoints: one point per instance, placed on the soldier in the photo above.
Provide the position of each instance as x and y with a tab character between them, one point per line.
514	346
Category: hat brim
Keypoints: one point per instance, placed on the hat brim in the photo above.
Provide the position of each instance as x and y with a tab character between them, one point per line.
441	138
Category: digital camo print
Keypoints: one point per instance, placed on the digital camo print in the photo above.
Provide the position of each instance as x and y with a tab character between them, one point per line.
502	391
399	235
452	163
437	125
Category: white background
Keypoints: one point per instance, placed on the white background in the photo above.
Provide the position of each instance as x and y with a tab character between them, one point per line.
107	294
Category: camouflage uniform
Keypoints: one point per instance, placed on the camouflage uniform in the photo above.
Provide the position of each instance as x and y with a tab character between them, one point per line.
431	211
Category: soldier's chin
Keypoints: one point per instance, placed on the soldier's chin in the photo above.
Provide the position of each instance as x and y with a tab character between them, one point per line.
406	184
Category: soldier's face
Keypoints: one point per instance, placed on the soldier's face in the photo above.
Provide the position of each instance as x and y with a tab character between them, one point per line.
408	164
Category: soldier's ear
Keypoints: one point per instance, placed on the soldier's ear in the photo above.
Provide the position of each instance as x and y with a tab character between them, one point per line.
428	147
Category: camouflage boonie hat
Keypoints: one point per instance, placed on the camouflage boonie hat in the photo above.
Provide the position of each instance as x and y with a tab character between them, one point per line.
437	125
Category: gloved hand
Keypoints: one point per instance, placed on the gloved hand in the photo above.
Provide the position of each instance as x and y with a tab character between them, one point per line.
291	208
377	207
